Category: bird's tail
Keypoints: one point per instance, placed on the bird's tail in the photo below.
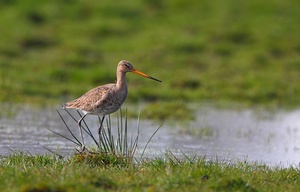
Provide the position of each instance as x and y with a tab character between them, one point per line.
72	104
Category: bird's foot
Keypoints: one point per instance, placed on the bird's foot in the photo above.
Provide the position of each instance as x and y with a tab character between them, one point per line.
82	150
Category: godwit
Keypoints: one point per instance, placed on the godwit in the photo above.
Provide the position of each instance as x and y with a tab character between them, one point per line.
105	99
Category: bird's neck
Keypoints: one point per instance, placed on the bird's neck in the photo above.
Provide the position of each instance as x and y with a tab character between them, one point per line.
121	80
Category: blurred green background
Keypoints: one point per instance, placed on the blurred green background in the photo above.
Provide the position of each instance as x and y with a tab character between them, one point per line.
219	51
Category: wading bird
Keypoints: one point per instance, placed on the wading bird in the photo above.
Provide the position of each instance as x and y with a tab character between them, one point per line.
105	99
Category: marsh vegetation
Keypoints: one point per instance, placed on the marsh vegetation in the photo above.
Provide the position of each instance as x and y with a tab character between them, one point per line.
234	54
220	51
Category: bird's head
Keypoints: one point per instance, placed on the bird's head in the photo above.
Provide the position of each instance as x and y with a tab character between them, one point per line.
125	66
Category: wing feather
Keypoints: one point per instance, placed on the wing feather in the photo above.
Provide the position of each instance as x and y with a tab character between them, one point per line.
91	99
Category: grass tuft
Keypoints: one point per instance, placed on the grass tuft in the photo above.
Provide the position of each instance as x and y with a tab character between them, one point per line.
96	159
109	148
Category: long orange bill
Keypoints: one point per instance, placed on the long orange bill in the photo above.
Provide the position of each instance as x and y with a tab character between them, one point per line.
144	75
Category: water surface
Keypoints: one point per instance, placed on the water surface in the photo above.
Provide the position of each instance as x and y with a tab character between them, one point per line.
259	136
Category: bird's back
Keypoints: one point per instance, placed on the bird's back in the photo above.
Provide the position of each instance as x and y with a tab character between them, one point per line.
104	99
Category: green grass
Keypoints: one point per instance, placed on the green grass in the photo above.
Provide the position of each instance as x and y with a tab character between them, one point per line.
21	172
216	51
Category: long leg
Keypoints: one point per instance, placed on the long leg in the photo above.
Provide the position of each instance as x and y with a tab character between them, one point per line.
100	130
81	135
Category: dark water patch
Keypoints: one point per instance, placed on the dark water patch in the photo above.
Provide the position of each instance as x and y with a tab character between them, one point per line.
36	42
36	18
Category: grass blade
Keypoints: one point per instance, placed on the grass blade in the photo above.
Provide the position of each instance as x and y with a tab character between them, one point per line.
150	140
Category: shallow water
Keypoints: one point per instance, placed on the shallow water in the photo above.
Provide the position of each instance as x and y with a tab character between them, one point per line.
259	136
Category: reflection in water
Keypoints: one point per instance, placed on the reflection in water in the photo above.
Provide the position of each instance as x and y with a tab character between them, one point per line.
271	138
